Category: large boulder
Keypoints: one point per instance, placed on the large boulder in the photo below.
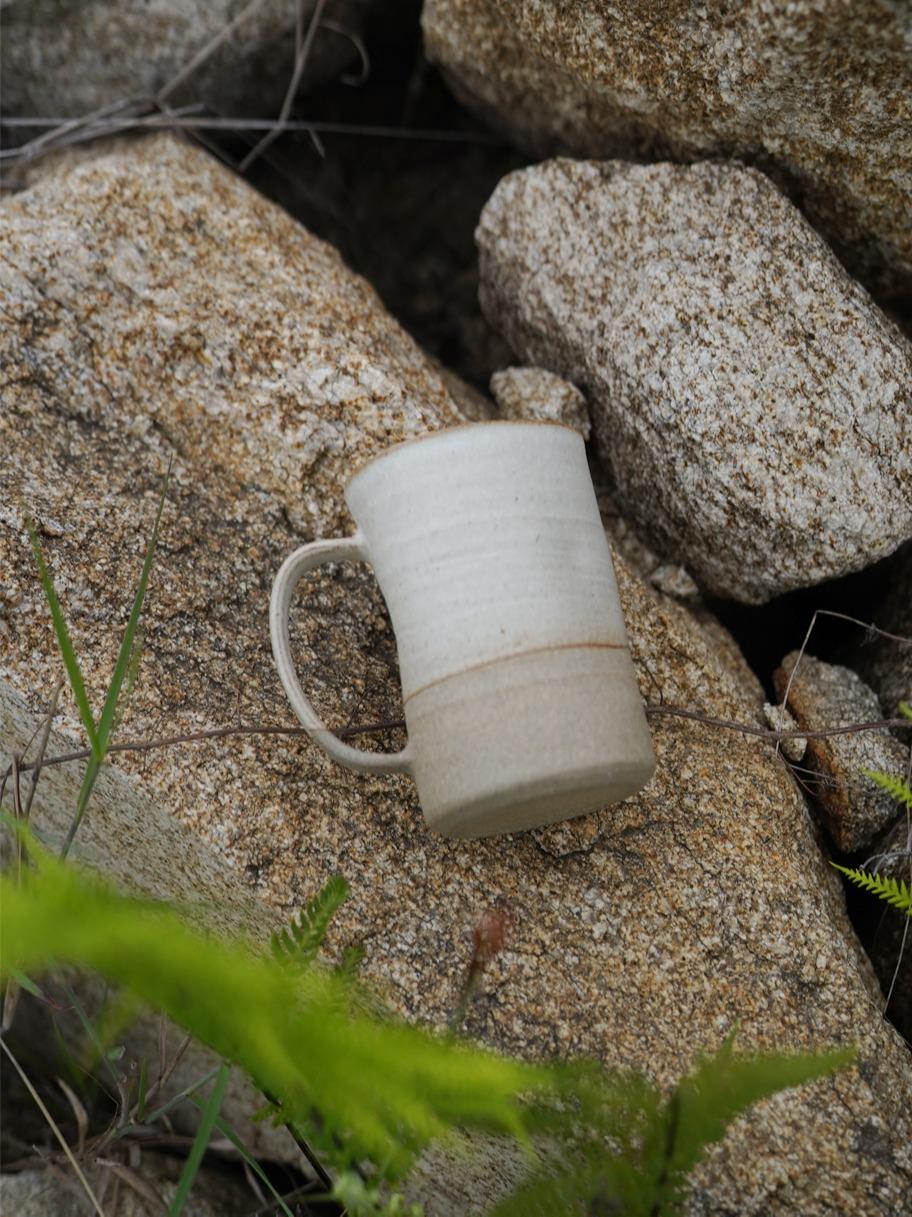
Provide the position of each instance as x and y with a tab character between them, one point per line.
753	404
64	60
156	308
817	93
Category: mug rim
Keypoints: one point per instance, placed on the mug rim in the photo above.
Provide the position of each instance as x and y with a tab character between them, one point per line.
441	431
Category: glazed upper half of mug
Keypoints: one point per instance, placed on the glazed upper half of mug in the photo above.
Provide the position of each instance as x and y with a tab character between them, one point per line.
487	543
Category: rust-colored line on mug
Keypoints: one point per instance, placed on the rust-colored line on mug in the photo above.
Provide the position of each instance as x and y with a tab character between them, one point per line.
490	663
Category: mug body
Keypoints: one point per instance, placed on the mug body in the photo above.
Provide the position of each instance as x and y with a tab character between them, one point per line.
520	698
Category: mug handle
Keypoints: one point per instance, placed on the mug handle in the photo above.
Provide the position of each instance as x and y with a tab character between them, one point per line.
342	549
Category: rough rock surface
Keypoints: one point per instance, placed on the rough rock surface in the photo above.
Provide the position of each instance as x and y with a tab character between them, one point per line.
38	1193
59	59
537	394
753	404
640	934
133	841
824	695
778	719
819	94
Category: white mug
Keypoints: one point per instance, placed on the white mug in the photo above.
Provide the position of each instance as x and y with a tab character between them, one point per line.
521	702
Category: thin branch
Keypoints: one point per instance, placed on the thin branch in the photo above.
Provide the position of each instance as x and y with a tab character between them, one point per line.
765	733
301	59
187	122
220	733
727	724
358	43
54	1128
865	625
868	626
65	126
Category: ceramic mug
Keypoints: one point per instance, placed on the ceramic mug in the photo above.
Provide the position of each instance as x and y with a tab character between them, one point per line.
521	702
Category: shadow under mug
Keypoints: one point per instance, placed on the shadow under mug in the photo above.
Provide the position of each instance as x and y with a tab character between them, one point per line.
520	697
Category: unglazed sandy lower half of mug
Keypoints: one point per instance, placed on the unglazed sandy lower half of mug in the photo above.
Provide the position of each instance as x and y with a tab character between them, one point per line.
520	697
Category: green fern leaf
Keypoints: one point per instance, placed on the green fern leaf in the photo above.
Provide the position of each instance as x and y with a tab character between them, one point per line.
709	1099
654	1145
895	891
898	789
301	941
383	1089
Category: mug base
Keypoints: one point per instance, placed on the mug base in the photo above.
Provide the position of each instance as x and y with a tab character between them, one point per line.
521	810
529	740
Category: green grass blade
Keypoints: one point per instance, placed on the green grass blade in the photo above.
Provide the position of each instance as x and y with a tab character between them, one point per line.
142	1090
123	664
200	1141
125	669
70	662
82	802
24	982
174	1101
227	1131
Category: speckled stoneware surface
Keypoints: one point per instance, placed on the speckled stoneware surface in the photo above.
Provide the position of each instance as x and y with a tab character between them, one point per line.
520	698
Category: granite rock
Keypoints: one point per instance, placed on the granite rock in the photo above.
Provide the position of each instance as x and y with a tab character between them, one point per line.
752	403
817	94
821	695
64	60
137	844
779	719
536	394
641	934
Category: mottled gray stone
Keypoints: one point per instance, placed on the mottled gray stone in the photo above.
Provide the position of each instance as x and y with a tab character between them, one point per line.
128	837
779	719
641	934
753	405
134	842
822	695
65	59
536	394
818	94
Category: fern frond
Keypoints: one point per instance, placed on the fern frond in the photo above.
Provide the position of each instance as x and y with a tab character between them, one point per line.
302	940
897	788
383	1089
895	891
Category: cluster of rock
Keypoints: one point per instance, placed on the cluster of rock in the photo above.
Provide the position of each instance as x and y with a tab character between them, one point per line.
819	95
752	403
751	408
156	309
